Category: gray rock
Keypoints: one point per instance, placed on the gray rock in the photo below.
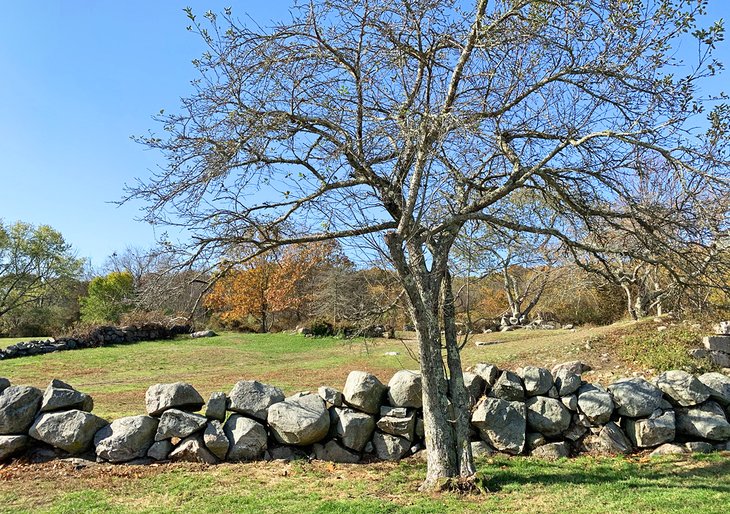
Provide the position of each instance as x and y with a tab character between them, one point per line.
179	395
704	421
488	372
508	387
404	390
192	449
403	427
553	393
534	439
247	438
722	328
481	449
578	427
610	441
653	431
575	367
570	402
719	343
300	421
160	450
12	445
682	388
698	353
552	451
537	381
72	431
699	447
216	406
178	423
331	395
502	424
253	398
126	438
352	427
215	439
718	385
566	382
390	447
420	428
720	359
18	407
547	416
635	397
333	452
475	386
58	398
4	384
396	412
203	333
668	449
596	404
286	453
364	391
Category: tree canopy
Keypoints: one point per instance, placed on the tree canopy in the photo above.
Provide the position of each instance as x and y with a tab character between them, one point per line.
400	121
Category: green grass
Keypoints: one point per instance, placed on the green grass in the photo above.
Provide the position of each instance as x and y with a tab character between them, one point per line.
118	376
585	485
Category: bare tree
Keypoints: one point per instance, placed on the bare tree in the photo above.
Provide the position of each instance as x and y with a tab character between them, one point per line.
404	120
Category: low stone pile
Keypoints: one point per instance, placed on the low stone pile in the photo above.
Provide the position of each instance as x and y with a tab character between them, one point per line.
530	411
717	346
99	336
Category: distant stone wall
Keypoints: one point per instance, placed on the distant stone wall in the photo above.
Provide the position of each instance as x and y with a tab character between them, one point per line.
534	411
100	336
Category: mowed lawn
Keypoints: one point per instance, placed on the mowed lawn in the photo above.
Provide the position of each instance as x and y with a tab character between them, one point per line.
118	376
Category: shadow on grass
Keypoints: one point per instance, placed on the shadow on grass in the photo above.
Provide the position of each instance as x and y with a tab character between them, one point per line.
696	472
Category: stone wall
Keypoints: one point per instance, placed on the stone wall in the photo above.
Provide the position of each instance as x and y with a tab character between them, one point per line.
100	336
533	411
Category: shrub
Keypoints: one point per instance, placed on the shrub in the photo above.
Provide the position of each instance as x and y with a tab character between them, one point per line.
321	328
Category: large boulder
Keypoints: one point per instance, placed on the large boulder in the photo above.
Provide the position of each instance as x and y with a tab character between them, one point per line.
61	396
246	436
552	451
706	421
502	424
12	445
537	381
365	392
566	382
508	387
72	430
215	439
178	423
489	372
610	441
720	343
390	447
330	395
126	438
635	397
253	398
402	426
160	450
179	395
718	385
658	429
216	406
192	449
18	408
332	451
575	367
475	386
547	416
299	421
354	428
682	388
596	403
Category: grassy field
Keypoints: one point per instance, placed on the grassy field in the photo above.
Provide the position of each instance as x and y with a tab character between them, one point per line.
521	485
118	376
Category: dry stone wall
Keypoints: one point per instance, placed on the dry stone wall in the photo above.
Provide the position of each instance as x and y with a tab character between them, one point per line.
535	411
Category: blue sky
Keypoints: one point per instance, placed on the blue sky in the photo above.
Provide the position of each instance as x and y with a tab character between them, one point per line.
77	79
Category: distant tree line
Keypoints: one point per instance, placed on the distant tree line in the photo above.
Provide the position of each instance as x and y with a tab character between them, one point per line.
45	289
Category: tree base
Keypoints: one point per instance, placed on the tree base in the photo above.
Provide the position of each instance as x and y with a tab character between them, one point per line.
470	485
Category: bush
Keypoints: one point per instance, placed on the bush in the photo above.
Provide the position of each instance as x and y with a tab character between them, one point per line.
320	328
